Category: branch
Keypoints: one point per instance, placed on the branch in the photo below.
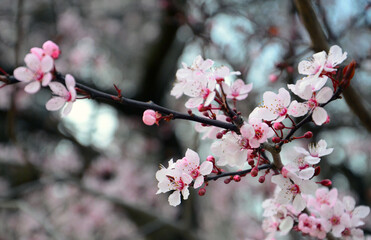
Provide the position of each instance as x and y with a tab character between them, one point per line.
244	172
320	43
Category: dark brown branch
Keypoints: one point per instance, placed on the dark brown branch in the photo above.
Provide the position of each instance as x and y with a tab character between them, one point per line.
244	172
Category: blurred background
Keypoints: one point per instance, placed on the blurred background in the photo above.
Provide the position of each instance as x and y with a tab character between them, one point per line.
91	175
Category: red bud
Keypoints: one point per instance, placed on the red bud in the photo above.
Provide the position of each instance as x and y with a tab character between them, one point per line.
237	178
325	182
202	191
348	73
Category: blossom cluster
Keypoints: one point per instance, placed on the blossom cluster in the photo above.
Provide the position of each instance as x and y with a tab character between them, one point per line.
179	175
328	214
209	90
39	72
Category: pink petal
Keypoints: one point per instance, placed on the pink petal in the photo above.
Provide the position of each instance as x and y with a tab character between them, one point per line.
319	116
32	62
297	109
247	131
23	74
70	81
58	89
67	109
47	64
55	103
32	87
46	79
194	102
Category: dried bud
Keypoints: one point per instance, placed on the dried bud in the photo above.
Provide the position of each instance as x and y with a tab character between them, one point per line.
278	126
228	119
348	73
325	182
202	191
237	178
262	179
190	112
308	134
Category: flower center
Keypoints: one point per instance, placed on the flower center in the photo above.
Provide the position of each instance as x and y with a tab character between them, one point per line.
312	103
295	189
205	93
195	173
68	97
259	133
335	220
346	232
39	76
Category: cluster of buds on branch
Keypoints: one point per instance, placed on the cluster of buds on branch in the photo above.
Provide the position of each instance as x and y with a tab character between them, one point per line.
298	204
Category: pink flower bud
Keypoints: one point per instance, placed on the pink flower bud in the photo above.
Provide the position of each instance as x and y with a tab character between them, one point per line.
284	172
51	49
325	182
210	159
227	180
276	139
237	178
251	162
149	117
219	135
317	170
278	126
290	69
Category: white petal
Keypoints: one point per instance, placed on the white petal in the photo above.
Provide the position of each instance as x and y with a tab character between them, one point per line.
70	81
194	102
286	225
67	109
247	131
185	193
206	168
33	87
198	182
324	95
32	62
55	103
192	156
306	68
47	64
46	79
23	74
308	187
174	198
297	109
306	173
299	203
361	211
58	89
319	116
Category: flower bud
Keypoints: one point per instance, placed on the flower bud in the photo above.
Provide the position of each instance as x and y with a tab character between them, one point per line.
254	172
219	135
262	179
278	126
308	134
251	162
325	182
202	191
273	78
276	139
210	159
227	180
317	170
237	178
149	117
348	73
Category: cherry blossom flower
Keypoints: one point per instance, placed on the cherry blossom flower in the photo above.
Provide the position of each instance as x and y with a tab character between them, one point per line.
275	106
306	223
233	150
201	92
188	76
334	58
36	73
316	151
51	49
63	95
335	218
190	164
210	131
323	196
355	213
319	115
238	91
256	132
173	179
292	189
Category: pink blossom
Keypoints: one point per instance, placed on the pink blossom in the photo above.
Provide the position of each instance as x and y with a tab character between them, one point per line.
150	117
256	131
63	95
275	106
292	189
323	196
238	91
335	218
334	58
355	213
306	223
190	164
173	179
36	73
